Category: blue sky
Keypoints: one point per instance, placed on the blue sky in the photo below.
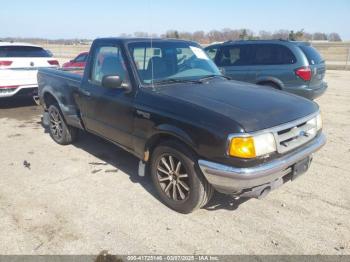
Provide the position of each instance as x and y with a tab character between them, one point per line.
90	19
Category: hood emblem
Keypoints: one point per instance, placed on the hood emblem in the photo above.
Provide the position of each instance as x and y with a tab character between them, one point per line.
298	133
31	63
303	133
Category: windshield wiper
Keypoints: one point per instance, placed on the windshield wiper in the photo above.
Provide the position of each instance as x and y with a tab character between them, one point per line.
174	80
213	76
195	81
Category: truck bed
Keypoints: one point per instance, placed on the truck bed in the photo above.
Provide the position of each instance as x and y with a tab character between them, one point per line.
61	85
71	74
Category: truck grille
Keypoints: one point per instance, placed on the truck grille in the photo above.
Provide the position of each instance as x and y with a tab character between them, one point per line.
295	134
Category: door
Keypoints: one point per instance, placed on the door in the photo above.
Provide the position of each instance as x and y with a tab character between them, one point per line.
272	63
234	61
107	112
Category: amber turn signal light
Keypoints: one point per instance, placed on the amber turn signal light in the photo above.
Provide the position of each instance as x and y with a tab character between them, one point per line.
242	147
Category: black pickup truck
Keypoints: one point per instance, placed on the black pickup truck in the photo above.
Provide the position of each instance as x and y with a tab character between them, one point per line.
194	130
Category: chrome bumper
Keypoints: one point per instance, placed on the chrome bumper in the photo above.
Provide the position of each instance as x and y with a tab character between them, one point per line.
232	180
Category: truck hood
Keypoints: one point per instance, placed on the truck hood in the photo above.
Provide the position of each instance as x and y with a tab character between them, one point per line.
253	107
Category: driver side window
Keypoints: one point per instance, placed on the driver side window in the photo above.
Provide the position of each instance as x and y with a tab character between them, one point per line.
81	58
107	61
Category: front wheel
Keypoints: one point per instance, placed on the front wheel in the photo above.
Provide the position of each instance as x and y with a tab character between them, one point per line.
177	178
60	132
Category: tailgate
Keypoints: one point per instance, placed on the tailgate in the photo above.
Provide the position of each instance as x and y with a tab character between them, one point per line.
318	72
317	65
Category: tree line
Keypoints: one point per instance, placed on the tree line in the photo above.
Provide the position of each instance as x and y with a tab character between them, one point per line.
206	37
244	34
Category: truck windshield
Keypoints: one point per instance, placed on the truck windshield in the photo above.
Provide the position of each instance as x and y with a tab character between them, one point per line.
171	61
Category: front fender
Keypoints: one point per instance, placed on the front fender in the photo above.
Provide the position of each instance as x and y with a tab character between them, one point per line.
167	129
161	132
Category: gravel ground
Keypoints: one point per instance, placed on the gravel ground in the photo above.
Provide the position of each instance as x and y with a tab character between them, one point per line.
87	197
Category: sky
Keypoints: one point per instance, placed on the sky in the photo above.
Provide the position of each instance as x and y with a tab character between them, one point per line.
91	19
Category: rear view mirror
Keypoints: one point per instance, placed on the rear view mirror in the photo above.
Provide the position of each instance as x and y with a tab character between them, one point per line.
112	81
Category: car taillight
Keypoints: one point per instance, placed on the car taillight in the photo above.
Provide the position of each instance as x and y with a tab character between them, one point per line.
53	62
304	73
5	63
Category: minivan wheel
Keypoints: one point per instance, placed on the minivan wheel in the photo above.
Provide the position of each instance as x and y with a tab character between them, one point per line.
178	179
60	132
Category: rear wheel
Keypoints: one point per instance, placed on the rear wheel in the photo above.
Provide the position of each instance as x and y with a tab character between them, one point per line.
60	132
177	178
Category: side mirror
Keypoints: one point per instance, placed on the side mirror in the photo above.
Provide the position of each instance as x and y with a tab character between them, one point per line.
112	81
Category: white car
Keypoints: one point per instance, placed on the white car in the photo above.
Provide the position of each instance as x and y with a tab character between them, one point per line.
19	63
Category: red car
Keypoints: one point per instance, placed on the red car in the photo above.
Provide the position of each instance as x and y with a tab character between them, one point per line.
78	62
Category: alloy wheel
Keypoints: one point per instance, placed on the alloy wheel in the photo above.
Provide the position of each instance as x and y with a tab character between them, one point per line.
56	124
173	178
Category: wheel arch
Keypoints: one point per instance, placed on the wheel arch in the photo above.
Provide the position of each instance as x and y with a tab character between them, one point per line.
49	99
166	133
275	81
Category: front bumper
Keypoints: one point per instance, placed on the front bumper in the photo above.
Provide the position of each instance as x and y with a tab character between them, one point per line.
252	181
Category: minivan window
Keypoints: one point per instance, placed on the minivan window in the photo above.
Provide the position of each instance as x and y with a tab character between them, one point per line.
271	54
238	55
255	54
23	51
211	52
312	55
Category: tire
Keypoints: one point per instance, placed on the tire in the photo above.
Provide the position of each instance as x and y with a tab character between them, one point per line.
192	190
60	132
271	84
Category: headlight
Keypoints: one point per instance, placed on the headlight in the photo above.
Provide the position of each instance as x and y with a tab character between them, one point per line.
314	125
252	146
319	121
